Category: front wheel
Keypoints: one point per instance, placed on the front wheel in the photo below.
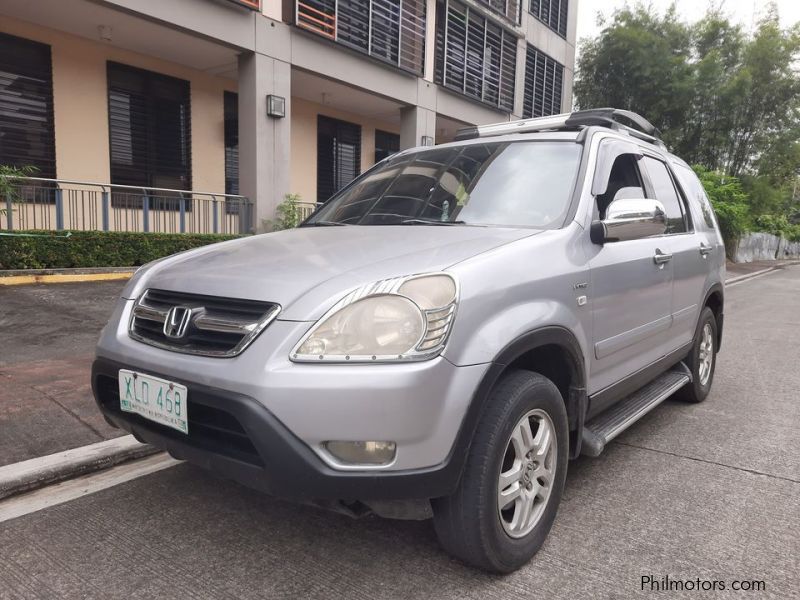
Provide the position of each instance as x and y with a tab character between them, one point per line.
702	359
508	496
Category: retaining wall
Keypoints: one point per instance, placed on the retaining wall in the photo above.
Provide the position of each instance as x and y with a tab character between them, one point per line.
765	246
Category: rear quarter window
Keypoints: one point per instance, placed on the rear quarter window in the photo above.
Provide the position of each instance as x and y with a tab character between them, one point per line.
695	193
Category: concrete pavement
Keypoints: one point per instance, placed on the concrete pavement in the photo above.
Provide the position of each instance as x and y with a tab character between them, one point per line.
708	491
48	338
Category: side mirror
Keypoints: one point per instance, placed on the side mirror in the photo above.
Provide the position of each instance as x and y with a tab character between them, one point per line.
630	219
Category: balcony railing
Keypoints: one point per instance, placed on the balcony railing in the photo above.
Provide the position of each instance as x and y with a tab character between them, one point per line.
251	4
316	20
392	31
40	203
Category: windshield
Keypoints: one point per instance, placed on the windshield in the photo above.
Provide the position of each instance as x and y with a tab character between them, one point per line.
516	184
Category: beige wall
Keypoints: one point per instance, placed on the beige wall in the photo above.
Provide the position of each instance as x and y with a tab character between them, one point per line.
81	114
303	161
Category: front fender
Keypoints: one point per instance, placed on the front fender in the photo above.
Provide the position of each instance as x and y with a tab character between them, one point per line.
490	339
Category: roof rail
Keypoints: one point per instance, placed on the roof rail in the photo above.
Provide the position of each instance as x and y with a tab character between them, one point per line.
634	125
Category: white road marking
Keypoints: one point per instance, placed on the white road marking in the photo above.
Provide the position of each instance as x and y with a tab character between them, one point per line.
18	506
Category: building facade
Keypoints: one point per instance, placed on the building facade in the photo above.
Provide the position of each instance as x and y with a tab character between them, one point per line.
262	98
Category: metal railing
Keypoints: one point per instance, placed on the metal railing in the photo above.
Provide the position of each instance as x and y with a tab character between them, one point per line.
304	209
39	203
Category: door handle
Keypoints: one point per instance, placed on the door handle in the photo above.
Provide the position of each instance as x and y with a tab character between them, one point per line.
705	249
661	258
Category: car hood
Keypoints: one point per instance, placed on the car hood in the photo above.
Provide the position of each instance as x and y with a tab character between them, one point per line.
306	270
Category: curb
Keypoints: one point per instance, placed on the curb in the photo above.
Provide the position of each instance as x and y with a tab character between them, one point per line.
35	473
747	276
28	276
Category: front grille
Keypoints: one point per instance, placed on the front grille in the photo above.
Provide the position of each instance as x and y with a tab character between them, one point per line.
198	324
210	428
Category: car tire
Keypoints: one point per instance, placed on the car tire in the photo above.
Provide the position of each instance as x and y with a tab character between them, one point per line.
702	360
470	524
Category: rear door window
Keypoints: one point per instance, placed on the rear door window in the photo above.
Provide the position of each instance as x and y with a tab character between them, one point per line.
666	193
694	190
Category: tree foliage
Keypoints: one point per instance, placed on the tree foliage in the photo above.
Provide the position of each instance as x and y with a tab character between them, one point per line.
8	180
724	99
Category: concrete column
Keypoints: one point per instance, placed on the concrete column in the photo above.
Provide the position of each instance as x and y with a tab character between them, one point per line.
264	142
430	39
519	80
416	122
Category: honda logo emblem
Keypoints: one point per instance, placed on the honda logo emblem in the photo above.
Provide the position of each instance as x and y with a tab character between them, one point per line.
177	322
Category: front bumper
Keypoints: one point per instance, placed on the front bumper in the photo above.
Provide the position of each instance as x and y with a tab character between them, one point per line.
236	437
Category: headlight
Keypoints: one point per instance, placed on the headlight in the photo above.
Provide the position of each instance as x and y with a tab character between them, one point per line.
407	318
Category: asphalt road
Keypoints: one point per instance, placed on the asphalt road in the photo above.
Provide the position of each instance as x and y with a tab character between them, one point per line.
710	491
47	338
47	321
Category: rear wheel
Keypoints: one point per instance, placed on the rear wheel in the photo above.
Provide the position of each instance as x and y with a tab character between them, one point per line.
508	496
702	360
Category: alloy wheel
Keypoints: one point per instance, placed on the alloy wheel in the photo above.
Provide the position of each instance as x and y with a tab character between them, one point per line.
706	354
527	473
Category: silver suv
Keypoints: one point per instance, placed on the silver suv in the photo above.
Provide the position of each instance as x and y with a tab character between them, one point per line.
441	336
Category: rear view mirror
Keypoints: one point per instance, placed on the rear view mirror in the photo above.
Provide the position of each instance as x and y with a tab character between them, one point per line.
630	219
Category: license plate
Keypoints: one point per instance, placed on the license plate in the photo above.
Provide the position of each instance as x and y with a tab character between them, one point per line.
153	398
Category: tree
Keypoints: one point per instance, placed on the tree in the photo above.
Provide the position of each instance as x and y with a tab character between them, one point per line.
723	99
640	62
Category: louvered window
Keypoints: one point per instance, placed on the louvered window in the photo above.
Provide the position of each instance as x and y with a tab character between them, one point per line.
26	106
544	80
390	30
338	155
507	8
149	130
475	56
552	13
231	111
386	144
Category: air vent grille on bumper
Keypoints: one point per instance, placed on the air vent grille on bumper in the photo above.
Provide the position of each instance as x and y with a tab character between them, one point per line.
199	324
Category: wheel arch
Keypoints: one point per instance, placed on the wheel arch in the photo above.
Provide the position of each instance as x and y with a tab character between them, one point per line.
715	300
552	351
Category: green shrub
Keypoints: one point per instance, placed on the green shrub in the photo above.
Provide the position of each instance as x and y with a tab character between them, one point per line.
8	176
778	225
287	214
730	204
52	250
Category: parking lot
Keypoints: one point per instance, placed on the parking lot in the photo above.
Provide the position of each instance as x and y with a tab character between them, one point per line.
709	492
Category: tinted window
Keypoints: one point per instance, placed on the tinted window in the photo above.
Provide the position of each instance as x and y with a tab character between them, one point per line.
666	193
386	144
338	155
525	184
149	118
231	110
694	190
26	106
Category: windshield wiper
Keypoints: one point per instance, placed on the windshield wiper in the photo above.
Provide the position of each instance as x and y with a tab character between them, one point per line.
324	224
430	222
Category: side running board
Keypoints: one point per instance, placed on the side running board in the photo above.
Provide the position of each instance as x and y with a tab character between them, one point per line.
609	424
